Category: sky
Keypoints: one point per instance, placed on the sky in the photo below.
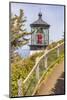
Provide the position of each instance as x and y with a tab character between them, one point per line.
52	14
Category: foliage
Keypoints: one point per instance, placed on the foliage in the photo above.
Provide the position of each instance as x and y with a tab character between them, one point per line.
21	67
17	30
53	44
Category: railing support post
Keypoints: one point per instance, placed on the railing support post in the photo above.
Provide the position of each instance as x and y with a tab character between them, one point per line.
46	62
46	59
37	69
20	89
58	52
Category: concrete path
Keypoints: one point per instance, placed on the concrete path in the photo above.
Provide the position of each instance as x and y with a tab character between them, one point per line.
48	84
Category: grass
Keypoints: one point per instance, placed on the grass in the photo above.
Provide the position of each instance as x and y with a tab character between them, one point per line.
47	72
34	82
20	68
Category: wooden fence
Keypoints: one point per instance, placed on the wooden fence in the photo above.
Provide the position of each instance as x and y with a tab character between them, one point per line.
29	86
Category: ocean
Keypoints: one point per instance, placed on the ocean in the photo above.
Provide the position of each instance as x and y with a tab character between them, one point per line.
24	51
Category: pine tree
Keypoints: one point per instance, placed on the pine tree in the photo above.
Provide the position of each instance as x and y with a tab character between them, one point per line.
17	30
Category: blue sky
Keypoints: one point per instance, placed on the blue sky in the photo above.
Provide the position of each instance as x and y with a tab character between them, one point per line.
53	15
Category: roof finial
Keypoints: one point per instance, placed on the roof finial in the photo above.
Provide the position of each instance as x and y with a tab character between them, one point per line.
40	14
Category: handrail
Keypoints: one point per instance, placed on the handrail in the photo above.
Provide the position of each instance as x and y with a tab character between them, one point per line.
48	51
30	73
44	74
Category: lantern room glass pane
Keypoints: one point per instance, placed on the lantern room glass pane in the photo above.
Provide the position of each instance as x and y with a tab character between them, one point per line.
46	33
35	32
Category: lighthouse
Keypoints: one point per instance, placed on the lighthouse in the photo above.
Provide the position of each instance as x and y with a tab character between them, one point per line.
39	33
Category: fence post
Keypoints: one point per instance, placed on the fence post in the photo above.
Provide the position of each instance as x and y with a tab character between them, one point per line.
37	69
58	52
46	59
20	89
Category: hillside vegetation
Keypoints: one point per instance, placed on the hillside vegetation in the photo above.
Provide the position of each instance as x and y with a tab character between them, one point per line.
21	67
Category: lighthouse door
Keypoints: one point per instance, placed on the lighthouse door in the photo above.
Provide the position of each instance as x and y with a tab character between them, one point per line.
39	38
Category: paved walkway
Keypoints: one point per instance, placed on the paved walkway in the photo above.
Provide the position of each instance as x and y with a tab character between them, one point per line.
48	84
